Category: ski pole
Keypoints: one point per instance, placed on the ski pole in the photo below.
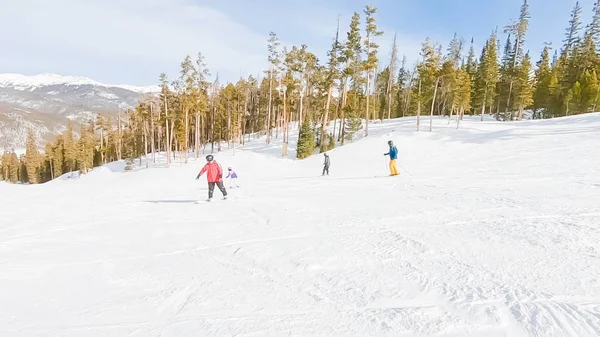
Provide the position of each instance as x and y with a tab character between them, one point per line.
405	169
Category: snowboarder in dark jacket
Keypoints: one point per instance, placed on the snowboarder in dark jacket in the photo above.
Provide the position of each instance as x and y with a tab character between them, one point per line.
326	164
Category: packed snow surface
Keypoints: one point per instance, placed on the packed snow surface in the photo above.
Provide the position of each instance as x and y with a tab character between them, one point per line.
23	82
490	230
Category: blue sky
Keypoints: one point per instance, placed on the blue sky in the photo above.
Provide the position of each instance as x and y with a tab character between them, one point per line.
132	41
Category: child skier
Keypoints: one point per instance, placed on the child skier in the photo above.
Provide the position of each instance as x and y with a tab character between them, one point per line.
233	177
214	176
326	164
393	153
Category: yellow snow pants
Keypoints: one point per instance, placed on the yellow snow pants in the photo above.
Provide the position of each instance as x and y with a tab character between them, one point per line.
393	168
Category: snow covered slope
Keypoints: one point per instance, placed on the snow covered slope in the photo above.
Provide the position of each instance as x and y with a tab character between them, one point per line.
491	230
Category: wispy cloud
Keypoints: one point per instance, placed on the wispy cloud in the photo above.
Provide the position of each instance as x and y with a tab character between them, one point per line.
133	41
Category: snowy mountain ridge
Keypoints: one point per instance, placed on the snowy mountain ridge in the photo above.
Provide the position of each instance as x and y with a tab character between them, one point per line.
43	103
23	82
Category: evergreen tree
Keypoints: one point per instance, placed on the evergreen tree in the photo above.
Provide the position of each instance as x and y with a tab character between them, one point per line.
429	70
13	168
572	32
543	74
523	86
471	69
370	64
275	61
85	148
390	78
487	75
333	74
70	148
593	29
462	93
306	141
32	160
351	57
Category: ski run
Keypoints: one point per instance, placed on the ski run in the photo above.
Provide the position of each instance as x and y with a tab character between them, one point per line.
490	230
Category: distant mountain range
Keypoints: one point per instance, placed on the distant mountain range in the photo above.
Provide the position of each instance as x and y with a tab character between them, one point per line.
44	102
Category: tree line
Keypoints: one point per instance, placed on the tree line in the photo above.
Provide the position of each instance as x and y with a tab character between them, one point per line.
328	102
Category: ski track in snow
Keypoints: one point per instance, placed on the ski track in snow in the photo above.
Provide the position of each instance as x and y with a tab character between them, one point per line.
494	230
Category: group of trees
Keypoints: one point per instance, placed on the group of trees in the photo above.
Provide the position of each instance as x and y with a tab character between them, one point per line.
324	104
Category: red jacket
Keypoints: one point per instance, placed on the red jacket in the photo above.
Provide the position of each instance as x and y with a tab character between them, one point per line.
215	172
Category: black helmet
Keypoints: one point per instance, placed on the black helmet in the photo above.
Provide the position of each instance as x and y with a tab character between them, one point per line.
210	157
390	142
325	154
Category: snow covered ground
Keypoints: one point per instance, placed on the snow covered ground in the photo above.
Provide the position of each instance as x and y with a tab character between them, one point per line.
491	230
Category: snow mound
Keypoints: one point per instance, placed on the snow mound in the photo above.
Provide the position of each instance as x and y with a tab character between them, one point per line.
490	230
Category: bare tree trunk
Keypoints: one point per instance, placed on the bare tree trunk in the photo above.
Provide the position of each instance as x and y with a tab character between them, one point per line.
269	107
152	140
146	142
343	121
510	88
159	137
101	147
459	116
483	104
168	135
419	108
197	136
433	104
367	112
187	134
325	121
228	124
284	151
120	142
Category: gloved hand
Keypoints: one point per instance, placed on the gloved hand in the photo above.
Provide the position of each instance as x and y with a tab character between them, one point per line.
197	177
221	176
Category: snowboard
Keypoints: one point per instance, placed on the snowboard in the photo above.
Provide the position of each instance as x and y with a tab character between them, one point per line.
209	200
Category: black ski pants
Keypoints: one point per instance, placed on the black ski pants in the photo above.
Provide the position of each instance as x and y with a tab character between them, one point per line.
325	170
211	189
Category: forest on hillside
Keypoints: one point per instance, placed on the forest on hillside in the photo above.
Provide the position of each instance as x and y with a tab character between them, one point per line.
300	93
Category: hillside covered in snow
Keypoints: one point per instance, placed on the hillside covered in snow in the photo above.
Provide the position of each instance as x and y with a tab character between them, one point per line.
490	230
44	102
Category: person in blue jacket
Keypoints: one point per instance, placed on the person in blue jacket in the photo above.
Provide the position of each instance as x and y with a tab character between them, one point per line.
393	153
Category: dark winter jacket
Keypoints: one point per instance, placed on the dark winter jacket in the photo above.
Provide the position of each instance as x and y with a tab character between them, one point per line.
327	162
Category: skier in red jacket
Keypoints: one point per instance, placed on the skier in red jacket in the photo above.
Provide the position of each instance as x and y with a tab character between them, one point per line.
214	176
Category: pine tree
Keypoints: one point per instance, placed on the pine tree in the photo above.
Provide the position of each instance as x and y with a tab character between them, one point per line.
523	86
390	81
572	32
470	67
487	75
32	159
593	29
306	141
351	57
543	74
462	93
371	48
70	148
85	148
13	168
275	61
333	74
428	70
